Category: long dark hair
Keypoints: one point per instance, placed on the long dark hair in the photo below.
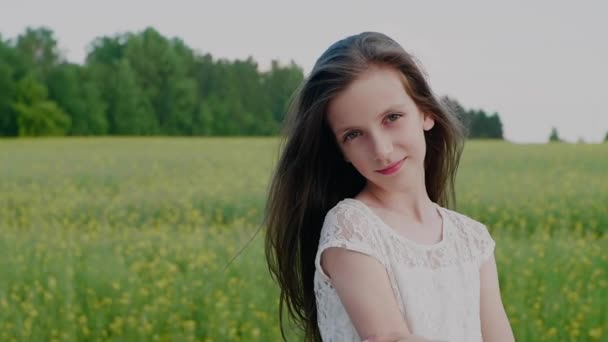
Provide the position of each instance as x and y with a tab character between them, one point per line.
311	176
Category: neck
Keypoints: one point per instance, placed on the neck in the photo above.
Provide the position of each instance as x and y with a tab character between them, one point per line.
412	201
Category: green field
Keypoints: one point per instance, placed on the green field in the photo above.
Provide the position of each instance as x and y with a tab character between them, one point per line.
127	238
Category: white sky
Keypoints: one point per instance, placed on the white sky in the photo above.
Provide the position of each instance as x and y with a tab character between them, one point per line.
537	63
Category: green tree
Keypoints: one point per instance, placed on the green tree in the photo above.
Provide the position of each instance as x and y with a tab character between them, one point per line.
494	127
38	51
106	50
202	122
138	84
163	71
279	83
554	136
36	115
477	122
41	118
129	111
8	116
79	97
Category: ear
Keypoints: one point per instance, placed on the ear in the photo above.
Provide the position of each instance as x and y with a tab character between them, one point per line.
428	122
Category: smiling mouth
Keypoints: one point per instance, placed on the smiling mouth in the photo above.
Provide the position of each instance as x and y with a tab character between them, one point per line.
393	167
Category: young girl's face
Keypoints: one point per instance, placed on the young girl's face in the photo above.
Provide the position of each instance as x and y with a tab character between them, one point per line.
377	125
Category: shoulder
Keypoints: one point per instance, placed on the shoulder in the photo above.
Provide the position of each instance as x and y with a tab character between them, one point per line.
347	226
346	217
466	223
475	234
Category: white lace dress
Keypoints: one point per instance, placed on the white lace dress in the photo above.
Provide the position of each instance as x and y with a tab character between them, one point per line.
436	286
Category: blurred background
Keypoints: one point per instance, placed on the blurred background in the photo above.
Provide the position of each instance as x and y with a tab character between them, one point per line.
137	140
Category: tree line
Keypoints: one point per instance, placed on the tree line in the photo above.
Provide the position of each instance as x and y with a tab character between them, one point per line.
479	124
146	84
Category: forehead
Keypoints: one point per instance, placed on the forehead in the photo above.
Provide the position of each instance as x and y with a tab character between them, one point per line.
373	92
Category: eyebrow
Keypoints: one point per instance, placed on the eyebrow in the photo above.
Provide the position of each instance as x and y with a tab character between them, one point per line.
383	113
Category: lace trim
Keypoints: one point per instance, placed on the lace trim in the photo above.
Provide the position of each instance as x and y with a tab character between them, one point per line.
446	234
463	237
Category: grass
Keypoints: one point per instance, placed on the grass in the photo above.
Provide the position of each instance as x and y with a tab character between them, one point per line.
126	239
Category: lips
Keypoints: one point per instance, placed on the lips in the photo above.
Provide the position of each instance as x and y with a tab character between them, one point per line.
392	168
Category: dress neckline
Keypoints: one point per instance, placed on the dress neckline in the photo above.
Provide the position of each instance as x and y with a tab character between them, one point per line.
445	225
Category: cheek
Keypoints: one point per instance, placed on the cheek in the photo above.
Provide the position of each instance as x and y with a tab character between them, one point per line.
354	156
357	157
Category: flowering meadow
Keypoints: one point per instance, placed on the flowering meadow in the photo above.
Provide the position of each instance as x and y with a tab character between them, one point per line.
129	239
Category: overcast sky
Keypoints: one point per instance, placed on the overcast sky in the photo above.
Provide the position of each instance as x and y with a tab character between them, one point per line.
537	63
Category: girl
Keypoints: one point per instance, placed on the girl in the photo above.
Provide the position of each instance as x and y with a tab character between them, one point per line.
358	236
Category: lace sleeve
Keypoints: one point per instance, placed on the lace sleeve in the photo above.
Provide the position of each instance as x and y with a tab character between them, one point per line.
347	227
485	243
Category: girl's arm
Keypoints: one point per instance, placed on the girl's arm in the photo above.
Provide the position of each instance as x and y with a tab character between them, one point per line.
494	322
364	289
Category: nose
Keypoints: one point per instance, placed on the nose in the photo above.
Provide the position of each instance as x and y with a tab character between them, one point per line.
382	147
